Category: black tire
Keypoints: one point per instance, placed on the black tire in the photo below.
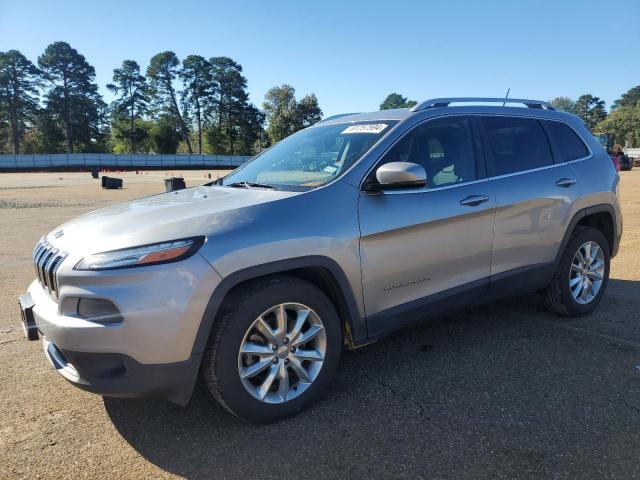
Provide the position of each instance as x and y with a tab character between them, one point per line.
557	296
241	308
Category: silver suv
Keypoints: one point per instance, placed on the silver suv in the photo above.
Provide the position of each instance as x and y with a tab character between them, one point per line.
337	235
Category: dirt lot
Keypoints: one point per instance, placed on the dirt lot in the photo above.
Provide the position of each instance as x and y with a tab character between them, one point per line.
506	390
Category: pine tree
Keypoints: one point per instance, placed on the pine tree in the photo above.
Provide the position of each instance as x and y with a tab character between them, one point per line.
19	82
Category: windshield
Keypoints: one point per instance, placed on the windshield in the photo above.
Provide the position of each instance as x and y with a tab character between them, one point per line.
311	157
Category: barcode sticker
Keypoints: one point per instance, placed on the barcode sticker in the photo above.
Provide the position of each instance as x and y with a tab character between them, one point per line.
374	128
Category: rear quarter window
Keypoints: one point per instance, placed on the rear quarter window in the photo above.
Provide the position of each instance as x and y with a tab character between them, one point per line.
515	144
567	144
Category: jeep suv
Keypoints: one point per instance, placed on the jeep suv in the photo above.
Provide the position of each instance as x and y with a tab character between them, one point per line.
330	239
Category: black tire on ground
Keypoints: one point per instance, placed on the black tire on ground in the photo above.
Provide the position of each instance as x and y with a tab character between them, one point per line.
238	312
557	296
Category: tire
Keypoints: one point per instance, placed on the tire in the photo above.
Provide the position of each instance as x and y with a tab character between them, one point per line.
558	296
238	325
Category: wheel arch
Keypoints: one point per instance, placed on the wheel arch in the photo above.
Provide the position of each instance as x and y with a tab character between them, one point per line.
600	217
323	272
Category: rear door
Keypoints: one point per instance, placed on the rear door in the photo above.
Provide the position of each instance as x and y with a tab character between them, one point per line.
534	195
424	250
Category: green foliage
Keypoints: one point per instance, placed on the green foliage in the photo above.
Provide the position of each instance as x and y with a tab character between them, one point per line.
395	100
165	134
46	136
19	83
285	115
233	124
162	72
127	137
624	123
628	99
563	104
591	109
72	99
131	104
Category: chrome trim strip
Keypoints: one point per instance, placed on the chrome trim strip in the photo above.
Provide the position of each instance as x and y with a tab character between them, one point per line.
428	189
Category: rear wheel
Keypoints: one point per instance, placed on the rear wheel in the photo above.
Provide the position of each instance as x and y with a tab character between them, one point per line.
582	275
274	349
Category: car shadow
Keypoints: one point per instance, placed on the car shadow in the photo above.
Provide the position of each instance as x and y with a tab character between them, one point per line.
407	405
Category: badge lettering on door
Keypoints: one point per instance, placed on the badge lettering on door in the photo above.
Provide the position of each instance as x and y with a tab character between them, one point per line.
393	286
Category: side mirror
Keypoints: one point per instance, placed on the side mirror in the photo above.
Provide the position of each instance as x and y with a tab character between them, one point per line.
400	175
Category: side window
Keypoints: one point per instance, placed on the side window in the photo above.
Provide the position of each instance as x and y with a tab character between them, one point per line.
566	143
444	147
515	144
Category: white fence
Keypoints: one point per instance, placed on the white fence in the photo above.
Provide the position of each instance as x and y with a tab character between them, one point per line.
103	160
632	152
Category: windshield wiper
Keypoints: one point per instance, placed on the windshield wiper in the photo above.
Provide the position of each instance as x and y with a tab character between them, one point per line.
251	185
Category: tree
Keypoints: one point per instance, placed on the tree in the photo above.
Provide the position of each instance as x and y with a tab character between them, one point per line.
164	135
624	123
19	82
309	111
133	99
563	104
162	71
395	100
196	77
47	134
233	123
128	137
628	99
285	115
73	99
280	107
591	109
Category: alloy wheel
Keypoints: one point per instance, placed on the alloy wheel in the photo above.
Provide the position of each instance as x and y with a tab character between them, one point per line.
282	353
587	272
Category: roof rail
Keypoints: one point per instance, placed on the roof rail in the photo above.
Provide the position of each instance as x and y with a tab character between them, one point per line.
444	102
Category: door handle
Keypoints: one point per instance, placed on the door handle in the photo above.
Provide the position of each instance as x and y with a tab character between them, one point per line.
566	182
473	200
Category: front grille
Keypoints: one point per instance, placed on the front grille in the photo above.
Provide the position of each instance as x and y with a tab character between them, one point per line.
47	259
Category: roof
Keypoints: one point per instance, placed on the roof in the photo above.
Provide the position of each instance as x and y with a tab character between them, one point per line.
440	105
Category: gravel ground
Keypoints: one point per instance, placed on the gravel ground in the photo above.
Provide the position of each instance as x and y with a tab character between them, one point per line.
506	390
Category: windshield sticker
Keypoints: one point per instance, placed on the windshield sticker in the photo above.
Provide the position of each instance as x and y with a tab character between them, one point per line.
374	128
330	169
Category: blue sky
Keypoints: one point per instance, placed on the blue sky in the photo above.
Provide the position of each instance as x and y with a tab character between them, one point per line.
351	54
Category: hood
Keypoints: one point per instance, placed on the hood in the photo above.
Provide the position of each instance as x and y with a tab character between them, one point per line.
168	216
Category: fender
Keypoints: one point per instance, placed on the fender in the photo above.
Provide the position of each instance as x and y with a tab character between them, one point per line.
356	323
603	207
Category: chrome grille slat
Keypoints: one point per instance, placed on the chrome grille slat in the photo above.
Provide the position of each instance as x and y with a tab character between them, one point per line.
47	260
43	261
48	265
36	260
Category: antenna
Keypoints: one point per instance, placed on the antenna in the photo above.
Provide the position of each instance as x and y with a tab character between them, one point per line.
506	96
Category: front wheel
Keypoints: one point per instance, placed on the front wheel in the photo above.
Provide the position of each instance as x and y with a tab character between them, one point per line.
582	275
274	349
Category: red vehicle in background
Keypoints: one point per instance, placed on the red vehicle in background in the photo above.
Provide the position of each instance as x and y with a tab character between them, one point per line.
616	162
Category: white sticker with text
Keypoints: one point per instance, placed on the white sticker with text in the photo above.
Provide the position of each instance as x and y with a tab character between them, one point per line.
366	128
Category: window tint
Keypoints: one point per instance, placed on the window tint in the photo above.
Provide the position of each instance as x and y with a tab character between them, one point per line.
566	143
443	147
516	144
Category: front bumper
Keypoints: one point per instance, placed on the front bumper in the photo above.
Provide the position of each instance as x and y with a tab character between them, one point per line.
117	375
149	353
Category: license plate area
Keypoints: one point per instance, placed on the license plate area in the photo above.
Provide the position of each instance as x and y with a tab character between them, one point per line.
28	320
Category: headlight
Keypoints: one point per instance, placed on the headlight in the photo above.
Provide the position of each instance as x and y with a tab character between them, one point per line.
144	255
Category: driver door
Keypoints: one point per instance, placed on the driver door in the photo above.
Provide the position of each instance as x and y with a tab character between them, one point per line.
426	250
